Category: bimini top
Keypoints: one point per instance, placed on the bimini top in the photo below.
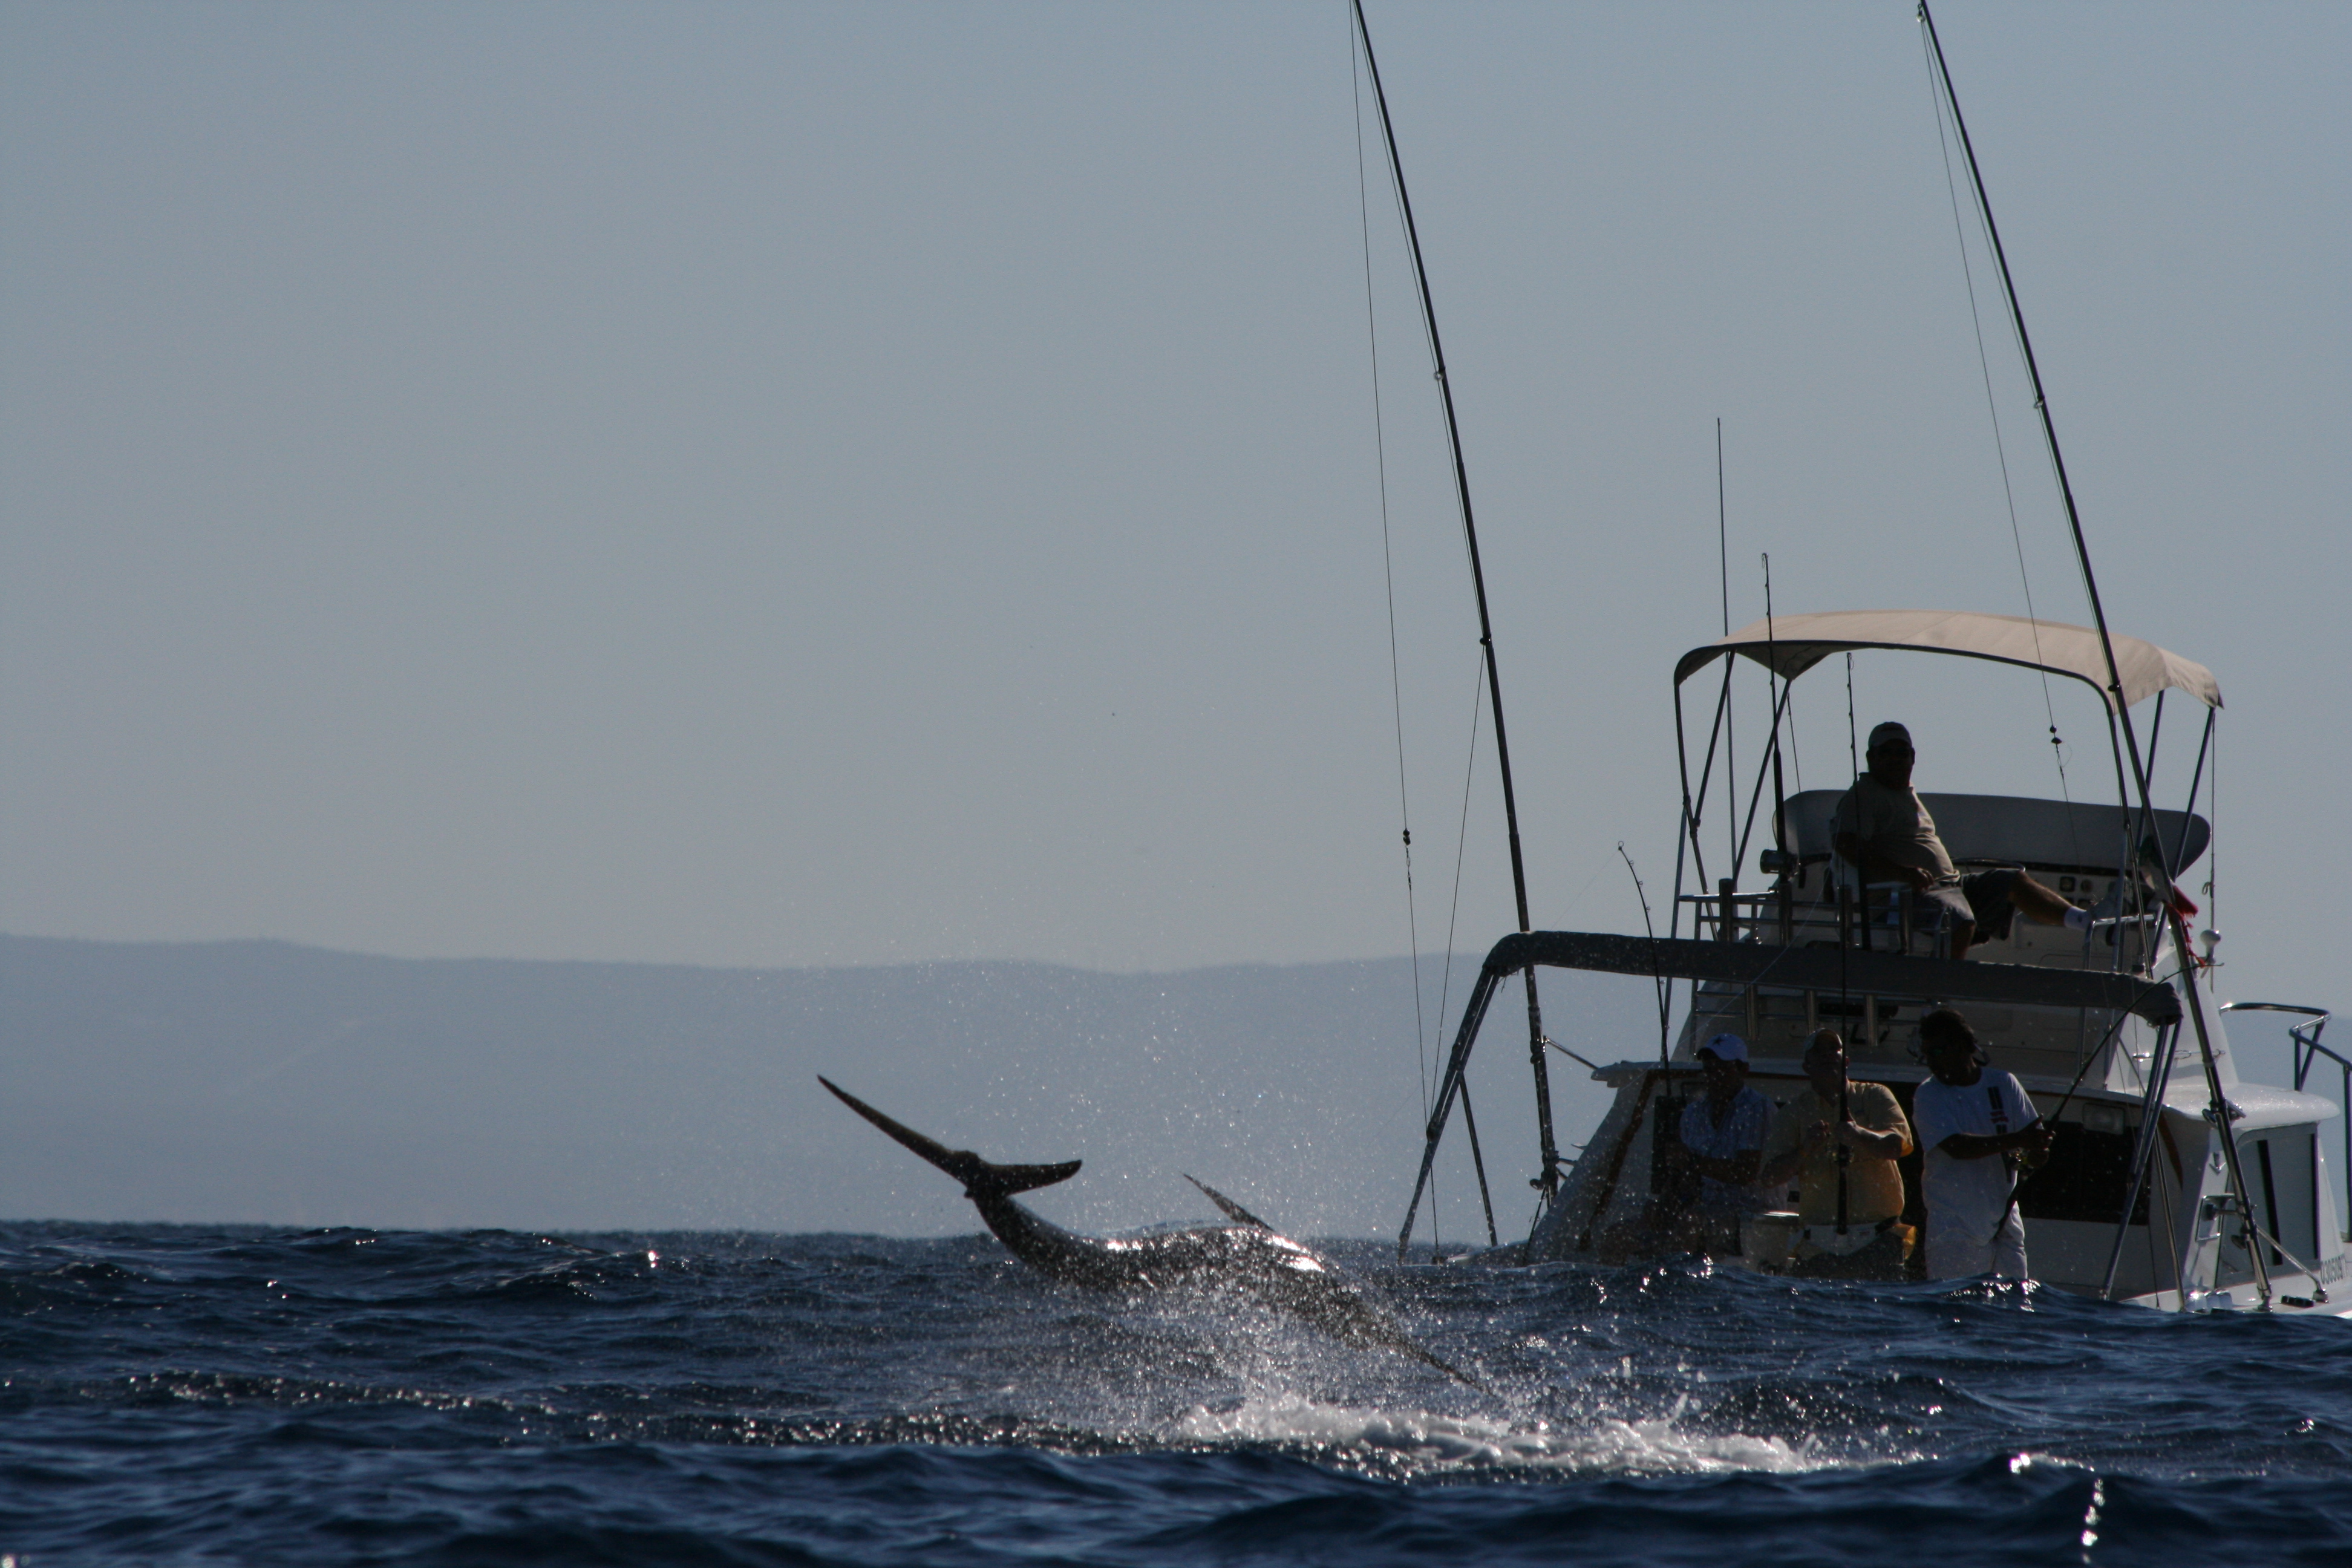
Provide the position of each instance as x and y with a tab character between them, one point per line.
1794	644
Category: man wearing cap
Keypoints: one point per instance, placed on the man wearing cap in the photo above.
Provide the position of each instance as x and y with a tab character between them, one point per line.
1722	1136
1978	1128
1882	827
1865	1122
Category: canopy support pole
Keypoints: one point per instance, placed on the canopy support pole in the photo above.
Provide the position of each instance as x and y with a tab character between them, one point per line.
1474	1012
2160	1074
1478	1163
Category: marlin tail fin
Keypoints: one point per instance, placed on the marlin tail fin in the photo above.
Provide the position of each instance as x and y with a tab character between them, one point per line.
980	1178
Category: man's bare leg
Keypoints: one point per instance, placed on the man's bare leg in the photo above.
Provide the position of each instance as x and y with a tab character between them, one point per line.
2041	905
1963	933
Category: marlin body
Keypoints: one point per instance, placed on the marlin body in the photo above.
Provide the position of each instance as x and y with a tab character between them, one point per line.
1248	1255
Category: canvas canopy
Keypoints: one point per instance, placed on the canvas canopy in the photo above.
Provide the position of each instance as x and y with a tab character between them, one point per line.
1825	968
1792	645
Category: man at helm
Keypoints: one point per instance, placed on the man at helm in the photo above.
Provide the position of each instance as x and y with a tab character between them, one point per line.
1881	826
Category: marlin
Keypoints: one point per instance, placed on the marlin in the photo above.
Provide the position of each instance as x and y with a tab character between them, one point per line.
1248	1255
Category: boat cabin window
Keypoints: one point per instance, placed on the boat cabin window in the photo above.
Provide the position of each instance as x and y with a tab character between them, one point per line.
2284	1174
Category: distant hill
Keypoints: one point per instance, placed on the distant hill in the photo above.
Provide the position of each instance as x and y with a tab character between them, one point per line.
264	1082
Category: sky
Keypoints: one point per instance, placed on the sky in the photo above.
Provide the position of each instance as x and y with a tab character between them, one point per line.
810	485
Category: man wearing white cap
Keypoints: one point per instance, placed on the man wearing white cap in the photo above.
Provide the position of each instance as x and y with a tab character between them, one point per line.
1882	827
1723	1134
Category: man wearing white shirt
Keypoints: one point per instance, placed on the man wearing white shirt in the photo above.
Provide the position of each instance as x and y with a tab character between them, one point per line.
1977	1125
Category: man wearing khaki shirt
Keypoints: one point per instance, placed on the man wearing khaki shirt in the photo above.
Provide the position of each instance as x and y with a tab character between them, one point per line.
1836	1131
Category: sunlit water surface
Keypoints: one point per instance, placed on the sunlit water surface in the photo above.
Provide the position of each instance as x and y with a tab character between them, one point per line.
178	1395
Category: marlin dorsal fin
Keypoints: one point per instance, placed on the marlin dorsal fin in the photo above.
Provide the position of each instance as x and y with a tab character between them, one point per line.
1232	1210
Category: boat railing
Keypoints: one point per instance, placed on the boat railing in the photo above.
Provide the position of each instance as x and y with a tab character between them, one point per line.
1882	916
1888	917
2305	1042
1770	1011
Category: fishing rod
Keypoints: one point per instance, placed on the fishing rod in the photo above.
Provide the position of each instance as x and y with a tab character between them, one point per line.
2120	718
1846	1002
1656	974
1844	1157
1548	1183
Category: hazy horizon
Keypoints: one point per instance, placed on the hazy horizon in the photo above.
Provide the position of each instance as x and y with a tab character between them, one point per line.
261	1082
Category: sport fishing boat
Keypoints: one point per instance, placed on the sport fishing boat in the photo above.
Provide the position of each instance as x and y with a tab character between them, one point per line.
2170	1181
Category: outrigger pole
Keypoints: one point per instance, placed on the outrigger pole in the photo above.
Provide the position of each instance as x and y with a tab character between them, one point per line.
1548	1183
2120	722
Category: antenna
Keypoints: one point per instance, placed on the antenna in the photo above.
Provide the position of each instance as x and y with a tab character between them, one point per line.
1730	757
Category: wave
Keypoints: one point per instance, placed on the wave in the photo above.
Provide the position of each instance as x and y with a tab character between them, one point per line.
1421	1442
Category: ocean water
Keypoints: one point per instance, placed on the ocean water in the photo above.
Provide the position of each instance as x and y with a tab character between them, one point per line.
251	1396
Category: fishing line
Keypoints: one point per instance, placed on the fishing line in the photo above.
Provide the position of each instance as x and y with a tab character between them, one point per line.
1576	899
1796	743
1388	570
1778	701
1763	770
1361	44
1445	985
1789	705
2050	1119
1695	805
2196	777
2124	737
1535	1062
1992	411
1461	838
1657	975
